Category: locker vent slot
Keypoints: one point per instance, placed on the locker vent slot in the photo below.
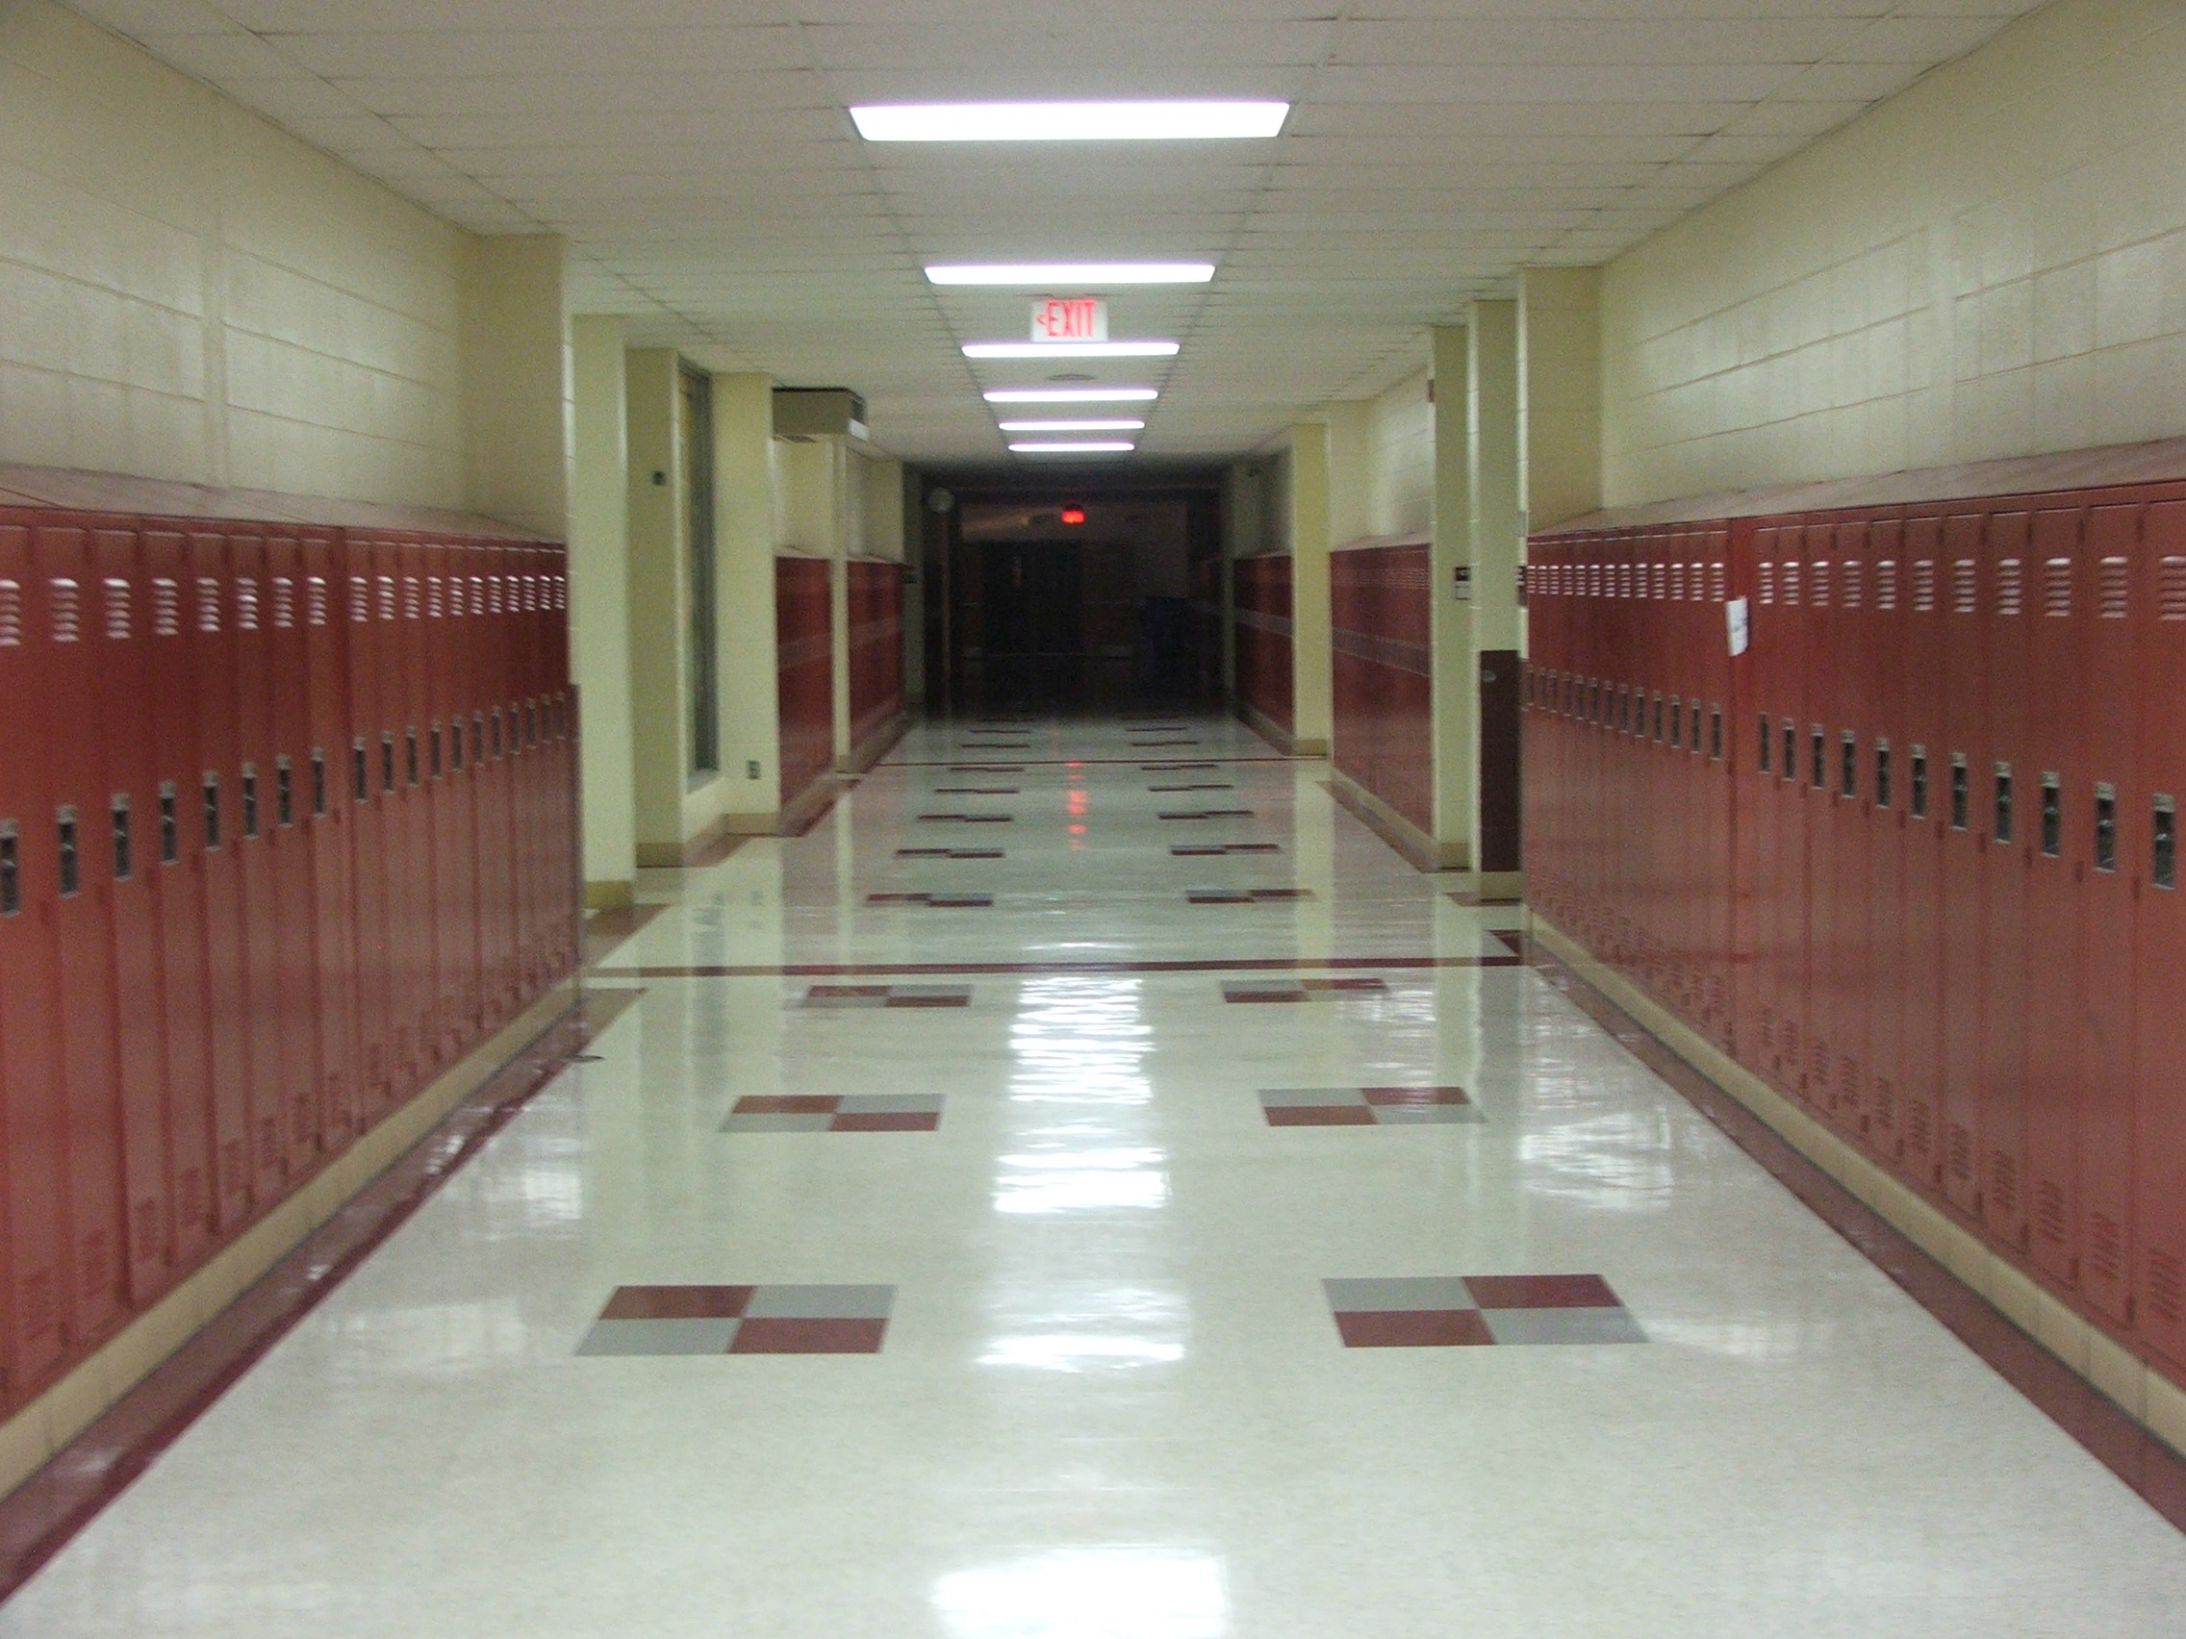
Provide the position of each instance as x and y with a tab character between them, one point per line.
2003	1183
478	594
385	602
1768	582
1677	582
1961	1153
1882	774
246	603
250	801
413	599
1821	584
67	611
208	604
436	598
493	590
125	853
1920	1132
71	867
11	614
2010	588
2171	593
1920	783
315	600
1961	794
11	870
1849	582
1718	584
1924	585
1886	584
2106	827
2113	584
1965	600
2003	803
2166	1285
166	607
2057	587
212	813
1662	587
284	603
360	600
118	613
2164	869
1791	583
2053	816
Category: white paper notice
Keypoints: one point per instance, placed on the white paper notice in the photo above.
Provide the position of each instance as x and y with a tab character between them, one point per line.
1741	623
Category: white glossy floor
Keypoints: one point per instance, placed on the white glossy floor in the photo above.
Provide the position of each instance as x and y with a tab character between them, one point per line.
1112	1401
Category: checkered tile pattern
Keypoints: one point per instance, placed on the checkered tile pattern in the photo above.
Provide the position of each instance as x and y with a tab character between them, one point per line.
836	1113
976	790
1244	896
1295	990
1366	1106
950	853
888	996
1205	813
986	768
662	1320
1445	1311
1215	850
998	745
1210	785
969	819
935	901
1178	768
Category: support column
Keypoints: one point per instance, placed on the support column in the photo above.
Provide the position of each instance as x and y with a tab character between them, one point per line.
1450	624
1491	384
599	605
1559	395
1310	655
743	432
516	382
659	608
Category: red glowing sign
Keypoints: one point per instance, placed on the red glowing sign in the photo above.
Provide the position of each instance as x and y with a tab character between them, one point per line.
1073	515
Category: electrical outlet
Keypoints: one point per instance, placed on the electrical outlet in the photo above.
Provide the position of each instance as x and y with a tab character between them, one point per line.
751	769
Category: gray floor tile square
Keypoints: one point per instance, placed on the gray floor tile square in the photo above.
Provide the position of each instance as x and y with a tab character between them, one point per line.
1425	1115
1301	1098
777	1123
891	1104
1406	1292
653	1337
822	1303
1563	1326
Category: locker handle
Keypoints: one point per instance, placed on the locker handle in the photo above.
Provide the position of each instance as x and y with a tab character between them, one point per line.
1817	773
1677	722
1715	734
318	782
1920	783
2003	803
1882	774
478	737
2106	827
125	853
71	868
361	768
410	754
250	802
2053	816
387	762
1961	793
2164	872
1791	750
170	827
212	813
1658	719
11	869
1848	771
284	793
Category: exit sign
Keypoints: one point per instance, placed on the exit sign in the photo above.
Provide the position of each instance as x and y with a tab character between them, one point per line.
1069	318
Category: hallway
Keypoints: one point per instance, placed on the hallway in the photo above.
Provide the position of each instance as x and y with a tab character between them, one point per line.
1053	1114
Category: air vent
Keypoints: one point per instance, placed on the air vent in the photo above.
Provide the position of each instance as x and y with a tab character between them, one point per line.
246	604
1768	582
118	612
315	600
2011	595
1965	600
1791	582
208	604
1924	585
2113	584
413	598
67	611
11	614
1886	584
1821	584
386	588
436	602
284	603
2057	587
2171	589
1849	584
1718	583
360	599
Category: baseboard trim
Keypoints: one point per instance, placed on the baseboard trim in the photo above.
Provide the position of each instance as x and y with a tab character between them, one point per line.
1418	849
877	744
610	896
805	810
1267	728
2141	1393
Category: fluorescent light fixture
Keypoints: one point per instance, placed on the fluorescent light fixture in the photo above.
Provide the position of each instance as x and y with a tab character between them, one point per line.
1119	426
1071	275
1167	121
1070	349
1071	395
1094	446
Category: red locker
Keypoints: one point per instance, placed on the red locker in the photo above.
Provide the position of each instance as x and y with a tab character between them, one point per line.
1719	748
2153	1131
363	782
174	855
125	708
1920	632
2059	581
82	996
282	822
2001	786
1748	736
35	1242
1887	979
1849	666
1824	674
252	780
1794	672
1965	843
328	813
410	926
207	805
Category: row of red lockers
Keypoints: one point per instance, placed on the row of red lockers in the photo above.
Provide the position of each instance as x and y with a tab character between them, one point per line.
1912	855
287	825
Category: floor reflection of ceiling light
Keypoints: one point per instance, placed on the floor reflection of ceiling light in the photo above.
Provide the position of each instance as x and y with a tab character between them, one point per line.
1089	1593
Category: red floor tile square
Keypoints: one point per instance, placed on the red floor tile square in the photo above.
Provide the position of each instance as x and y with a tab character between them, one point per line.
677	1303
1399	1097
787	1104
1410	1329
1541	1291
886	1121
809	1337
1321	1115
845	992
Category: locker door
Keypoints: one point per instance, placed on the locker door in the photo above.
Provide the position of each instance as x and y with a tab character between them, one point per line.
361	789
82	997
171	854
36	1244
1850	666
569	907
392	624
327	816
253	778
122	655
2151	1134
207	805
1886	979
1920	632
2059	831
1752	739
412	816
282	821
2006	860
1965	843
1795	702
1719	746
447	1006
1817	779
460	909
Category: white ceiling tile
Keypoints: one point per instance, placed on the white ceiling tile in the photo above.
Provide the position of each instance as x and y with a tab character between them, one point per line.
543	53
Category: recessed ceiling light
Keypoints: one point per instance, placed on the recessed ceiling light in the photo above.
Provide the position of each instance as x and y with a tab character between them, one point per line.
1118	426
1071	275
1070	395
1067	121
1070	349
1080	447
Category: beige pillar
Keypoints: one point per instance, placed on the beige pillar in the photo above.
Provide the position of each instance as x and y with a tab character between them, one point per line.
1496	538
1559	395
1350	471
659	548
1450	622
744	507
599	606
1310	655
516	382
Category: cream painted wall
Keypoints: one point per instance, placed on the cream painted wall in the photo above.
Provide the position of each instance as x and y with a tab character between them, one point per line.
744	537
881	509
599	599
519	407
1311	659
1992	263
188	293
1400	473
1350	458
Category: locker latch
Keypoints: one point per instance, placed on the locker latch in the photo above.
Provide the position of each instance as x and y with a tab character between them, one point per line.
1817	775
1961	792
11	869
1882	774
1848	769
125	853
1764	760
1715	734
435	744
2164	870
71	867
318	782
2106	826
1677	722
2053	815
170	825
284	793
387	762
1920	782
1790	737
410	754
361	768
250	801
212	813
2002	772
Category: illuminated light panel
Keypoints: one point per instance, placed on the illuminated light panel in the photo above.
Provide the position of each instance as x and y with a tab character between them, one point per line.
1071	349
1067	275
1071	395
1082	446
1164	121
1120	425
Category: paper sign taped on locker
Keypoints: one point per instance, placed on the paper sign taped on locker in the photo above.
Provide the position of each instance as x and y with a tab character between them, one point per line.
1737	613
